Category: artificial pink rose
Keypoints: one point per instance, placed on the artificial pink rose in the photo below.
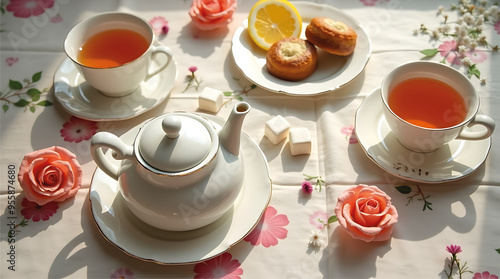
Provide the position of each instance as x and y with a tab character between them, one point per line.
50	174
366	213
211	14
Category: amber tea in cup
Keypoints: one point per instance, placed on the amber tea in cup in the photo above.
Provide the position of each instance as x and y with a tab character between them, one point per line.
428	103
112	48
116	52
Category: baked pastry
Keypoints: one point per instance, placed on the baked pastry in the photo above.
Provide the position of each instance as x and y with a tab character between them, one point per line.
292	59
332	36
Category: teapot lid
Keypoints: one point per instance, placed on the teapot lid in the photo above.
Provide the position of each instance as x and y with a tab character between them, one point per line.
175	142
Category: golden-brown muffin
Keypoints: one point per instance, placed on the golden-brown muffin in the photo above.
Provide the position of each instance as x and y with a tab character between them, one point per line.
292	59
332	36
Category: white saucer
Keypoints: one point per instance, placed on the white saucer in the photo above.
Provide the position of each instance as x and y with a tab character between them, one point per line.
333	71
453	161
80	99
120	227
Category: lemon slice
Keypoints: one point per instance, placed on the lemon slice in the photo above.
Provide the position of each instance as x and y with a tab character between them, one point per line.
272	20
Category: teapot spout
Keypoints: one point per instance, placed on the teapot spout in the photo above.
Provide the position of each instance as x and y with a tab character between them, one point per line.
230	134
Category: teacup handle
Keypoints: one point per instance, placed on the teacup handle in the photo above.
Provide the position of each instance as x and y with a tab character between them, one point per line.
120	151
155	51
482	120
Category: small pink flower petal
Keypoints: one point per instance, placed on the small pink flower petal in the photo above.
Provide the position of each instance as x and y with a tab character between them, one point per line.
11	61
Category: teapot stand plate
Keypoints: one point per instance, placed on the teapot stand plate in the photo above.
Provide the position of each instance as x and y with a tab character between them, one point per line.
128	233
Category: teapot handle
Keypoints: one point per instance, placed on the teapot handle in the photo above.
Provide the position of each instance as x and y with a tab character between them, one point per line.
120	151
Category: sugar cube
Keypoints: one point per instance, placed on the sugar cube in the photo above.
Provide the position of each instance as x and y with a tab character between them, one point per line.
300	141
277	129
210	99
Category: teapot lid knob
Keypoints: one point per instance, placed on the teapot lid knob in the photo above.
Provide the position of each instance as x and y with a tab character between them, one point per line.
172	126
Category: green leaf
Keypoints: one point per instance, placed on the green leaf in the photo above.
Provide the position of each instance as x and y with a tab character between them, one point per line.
227	93
23	223
15	85
427	205
33	109
36	77
498	250
429	52
253	86
332	219
21	103
404	189
239	98
34	94
473	71
44	103
5	108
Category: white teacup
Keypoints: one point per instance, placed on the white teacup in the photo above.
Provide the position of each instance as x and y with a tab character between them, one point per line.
422	139
123	79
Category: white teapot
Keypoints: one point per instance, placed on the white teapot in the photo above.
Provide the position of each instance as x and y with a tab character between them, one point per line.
176	176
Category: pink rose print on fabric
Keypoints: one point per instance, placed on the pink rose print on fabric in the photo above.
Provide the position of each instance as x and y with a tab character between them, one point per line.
122	273
269	229
77	129
27	8
476	55
222	266
484	275
497	27
11	61
350	133
315	218
160	25
31	210
449	50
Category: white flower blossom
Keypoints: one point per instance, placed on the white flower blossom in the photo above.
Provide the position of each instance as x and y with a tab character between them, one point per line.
462	31
440	9
473	45
316	238
494	9
483	2
466	61
435	34
483	80
468	18
461	50
494	12
446	28
479	20
481	39
466	40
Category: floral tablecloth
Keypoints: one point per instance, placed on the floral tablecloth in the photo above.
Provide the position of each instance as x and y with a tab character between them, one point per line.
294	238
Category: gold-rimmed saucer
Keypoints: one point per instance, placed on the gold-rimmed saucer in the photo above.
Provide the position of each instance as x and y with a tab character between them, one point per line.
78	98
457	159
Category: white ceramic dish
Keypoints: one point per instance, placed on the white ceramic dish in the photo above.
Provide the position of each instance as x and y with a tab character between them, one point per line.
78	98
333	71
121	228
453	161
